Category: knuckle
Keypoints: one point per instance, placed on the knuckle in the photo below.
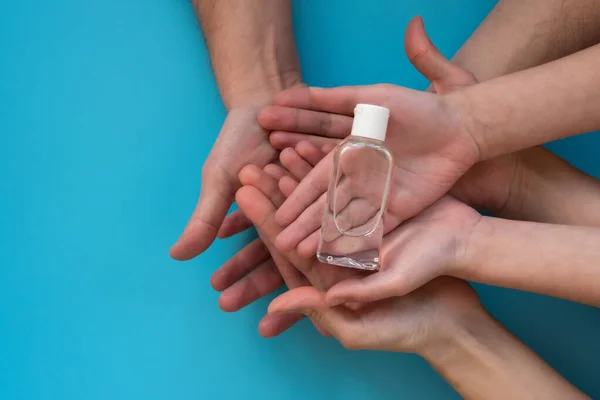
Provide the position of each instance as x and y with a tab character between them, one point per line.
313	315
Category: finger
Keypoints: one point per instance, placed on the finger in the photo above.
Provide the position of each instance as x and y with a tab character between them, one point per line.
328	147
291	275
275	171
281	140
426	58
341	100
292	161
259	209
304	225
251	175
257	284
215	199
268	187
378	286
274	325
339	321
276	118
247	259
309	152
309	246
307	192
287	185
297	299
233	224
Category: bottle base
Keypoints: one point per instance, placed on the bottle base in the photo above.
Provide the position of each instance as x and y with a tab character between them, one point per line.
349	262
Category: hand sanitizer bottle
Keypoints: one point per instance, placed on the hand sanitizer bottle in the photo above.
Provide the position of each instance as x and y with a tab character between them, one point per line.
352	228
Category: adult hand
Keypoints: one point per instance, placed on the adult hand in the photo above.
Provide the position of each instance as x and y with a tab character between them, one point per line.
260	269
242	141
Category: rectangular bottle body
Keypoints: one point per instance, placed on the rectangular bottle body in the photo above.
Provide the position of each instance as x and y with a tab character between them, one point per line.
352	226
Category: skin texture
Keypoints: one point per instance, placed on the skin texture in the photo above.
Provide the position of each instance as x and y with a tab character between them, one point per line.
239	292
450	238
259	61
527	33
435	139
442	320
521	36
528	185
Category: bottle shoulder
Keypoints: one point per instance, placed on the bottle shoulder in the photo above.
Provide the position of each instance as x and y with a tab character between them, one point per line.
355	142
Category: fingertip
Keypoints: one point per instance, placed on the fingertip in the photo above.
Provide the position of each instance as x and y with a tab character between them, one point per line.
216	281
191	245
227	302
281	217
295	300
308	247
277	140
282	243
244	195
305	146
248	174
223	233
268	117
343	292
287	155
275	171
274	325
287	185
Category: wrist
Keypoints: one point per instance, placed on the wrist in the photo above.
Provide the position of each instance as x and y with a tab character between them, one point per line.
468	248
464	344
468	124
258	87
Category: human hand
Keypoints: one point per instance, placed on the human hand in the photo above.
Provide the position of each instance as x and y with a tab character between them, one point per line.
432	244
424	321
241	141
257	270
488	185
259	198
428	135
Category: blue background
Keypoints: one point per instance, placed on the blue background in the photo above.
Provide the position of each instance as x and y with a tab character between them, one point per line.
107	111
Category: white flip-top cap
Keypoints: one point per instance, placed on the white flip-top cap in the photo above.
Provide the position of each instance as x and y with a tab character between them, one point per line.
370	121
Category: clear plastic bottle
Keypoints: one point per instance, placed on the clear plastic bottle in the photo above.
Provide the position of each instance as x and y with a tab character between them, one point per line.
352	228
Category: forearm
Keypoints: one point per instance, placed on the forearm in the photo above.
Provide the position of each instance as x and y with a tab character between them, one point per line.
556	260
486	362
252	48
524	34
546	188
531	107
520	34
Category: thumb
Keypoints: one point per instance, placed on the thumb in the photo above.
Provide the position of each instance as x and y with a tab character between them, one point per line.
378	286
215	199
427	59
342	323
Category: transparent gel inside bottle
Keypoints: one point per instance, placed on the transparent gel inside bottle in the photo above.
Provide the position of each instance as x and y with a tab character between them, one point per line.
352	227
